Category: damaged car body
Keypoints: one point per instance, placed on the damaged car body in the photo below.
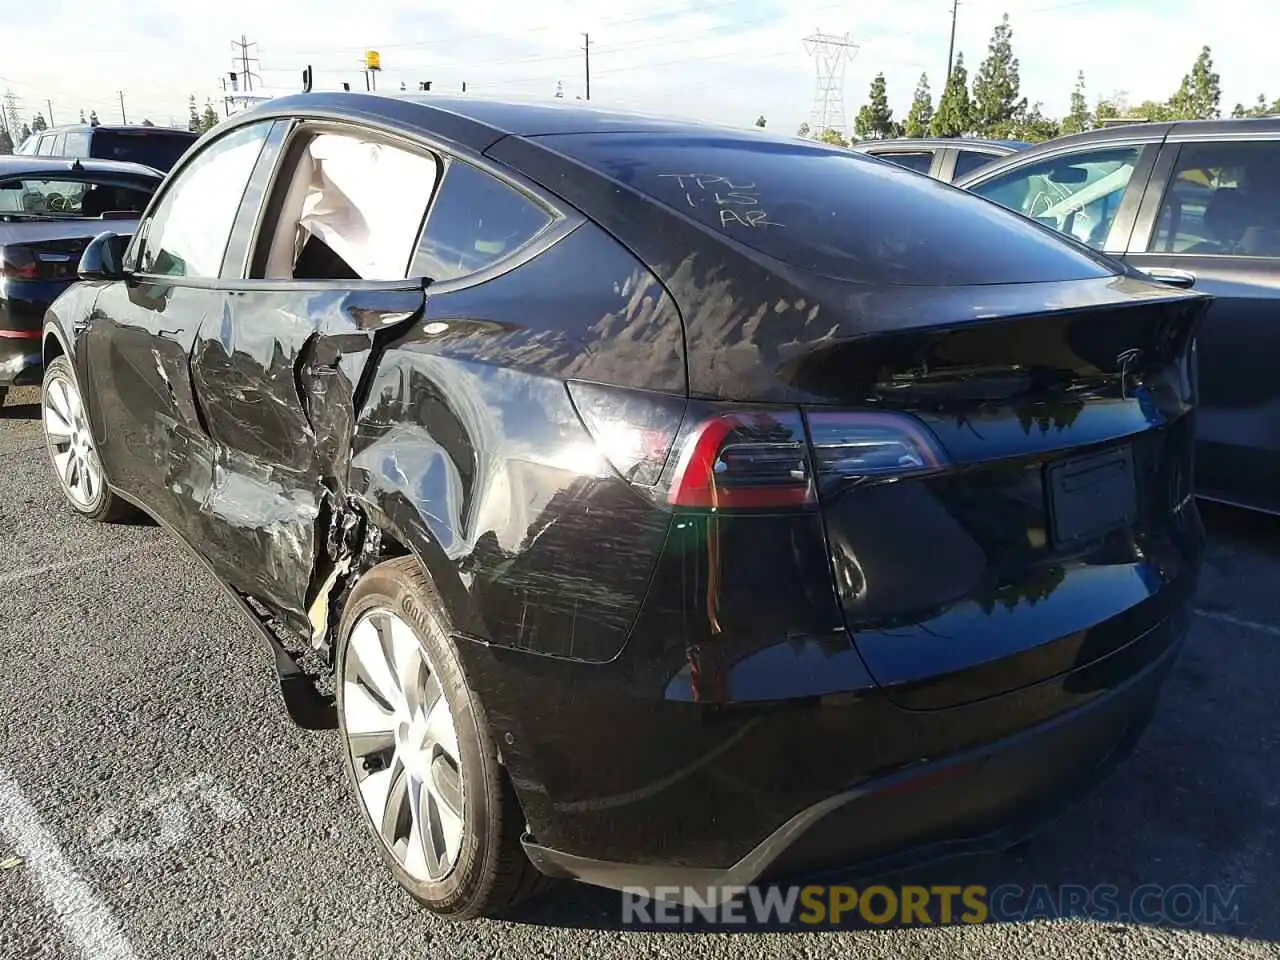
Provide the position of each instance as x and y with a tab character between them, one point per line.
669	505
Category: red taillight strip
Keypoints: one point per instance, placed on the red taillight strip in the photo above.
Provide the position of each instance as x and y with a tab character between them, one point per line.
694	484
19	334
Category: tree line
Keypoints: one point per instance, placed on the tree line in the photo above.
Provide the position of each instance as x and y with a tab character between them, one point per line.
992	105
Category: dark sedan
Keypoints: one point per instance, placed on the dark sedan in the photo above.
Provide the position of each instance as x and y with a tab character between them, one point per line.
672	506
943	158
49	210
1195	204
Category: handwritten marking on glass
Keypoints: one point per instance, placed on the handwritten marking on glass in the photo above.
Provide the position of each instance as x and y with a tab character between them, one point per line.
739	203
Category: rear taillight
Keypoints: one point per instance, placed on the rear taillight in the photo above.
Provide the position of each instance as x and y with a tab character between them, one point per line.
719	456
18	263
858	444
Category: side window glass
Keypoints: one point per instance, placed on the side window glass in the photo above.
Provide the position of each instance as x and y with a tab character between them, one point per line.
1077	194
352	209
46	146
1223	199
475	221
919	162
76	145
187	235
968	161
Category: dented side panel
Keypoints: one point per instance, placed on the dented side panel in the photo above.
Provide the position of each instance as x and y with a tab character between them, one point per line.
471	452
276	374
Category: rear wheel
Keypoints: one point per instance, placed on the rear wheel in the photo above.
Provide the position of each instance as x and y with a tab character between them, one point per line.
419	753
72	450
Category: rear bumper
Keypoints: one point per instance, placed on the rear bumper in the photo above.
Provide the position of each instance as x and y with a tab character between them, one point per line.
22	308
978	799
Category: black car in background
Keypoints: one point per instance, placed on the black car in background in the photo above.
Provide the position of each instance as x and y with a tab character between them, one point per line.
673	505
1193	203
49	211
943	158
156	147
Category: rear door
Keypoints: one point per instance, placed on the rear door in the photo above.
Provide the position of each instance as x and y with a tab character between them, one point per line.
278	362
1212	215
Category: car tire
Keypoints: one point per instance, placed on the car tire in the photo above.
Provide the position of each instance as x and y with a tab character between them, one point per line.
394	610
73	453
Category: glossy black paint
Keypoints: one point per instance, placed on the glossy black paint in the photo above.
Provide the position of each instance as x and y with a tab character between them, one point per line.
1238	427
103	258
675	686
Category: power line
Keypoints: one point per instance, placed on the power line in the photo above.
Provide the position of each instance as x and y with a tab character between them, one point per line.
831	55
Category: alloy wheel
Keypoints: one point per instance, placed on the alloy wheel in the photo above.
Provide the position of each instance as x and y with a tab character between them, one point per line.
404	745
70	440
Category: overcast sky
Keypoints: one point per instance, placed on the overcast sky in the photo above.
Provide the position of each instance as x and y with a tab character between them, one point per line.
728	60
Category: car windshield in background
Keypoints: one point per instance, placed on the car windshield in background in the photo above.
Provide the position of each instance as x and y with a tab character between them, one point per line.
71	198
154	148
838	214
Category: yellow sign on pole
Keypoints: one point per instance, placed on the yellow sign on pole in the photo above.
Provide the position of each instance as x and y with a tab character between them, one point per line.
372	60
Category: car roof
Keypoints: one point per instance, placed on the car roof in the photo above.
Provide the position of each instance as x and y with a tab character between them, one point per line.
958	142
119	128
27	163
498	117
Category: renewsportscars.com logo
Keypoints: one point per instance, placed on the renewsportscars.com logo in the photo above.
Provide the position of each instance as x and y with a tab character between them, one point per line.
880	905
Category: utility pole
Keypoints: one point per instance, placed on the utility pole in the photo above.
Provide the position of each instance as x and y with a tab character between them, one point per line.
951	48
123	118
586	52
49	104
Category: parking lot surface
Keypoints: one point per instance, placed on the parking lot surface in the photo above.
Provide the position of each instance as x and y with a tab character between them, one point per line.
156	802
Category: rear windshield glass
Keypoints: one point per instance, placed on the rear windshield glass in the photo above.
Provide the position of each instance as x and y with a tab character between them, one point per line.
158	149
834	212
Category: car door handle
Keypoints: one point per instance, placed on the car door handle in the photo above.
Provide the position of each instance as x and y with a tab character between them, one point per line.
1175	278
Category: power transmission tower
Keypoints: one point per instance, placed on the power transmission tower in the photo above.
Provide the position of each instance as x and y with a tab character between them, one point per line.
247	76
12	117
831	55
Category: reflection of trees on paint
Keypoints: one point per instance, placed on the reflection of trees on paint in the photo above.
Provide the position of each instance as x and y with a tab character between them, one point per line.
1030	590
1046	416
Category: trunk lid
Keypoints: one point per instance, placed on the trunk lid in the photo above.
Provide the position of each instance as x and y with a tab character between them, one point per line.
1056	525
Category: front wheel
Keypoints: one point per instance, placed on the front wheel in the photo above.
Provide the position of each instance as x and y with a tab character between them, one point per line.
420	756
72	450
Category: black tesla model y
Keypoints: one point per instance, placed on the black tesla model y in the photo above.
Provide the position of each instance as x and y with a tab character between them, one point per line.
673	504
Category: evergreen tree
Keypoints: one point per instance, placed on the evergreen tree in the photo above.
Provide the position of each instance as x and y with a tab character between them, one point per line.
6	142
82	119
921	113
1200	93
833	137
1259	109
93	118
193	116
209	119
1079	118
761	121
875	119
954	116
147	122
803	131
995	87
38	124
1033	126
26	132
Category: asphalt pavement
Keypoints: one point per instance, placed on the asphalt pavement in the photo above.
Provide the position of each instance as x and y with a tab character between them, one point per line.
156	802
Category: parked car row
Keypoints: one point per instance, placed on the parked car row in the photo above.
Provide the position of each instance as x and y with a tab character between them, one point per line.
1193	204
156	147
49	211
671	506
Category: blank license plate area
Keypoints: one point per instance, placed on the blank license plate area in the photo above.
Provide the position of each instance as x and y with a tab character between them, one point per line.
1093	494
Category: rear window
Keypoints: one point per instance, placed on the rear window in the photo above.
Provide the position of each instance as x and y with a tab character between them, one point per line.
833	212
155	148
